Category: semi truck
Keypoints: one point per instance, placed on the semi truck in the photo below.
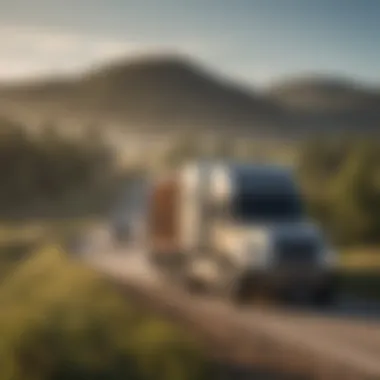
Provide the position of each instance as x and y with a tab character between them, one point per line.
238	230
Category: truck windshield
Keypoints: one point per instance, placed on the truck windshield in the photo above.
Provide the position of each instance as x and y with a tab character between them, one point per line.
251	207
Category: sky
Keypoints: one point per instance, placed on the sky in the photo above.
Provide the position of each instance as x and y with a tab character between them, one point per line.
254	41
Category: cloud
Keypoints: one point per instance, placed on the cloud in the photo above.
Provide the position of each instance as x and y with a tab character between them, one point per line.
31	51
27	52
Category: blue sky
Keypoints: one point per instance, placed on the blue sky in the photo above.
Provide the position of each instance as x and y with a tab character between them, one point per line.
258	41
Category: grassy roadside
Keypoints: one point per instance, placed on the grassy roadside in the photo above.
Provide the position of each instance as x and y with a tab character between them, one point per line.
363	259
363	285
18	239
360	272
60	320
11	231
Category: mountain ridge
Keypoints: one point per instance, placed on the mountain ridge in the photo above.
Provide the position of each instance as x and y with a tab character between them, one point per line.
175	92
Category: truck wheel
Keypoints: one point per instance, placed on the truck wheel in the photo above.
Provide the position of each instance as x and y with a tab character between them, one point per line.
241	293
325	296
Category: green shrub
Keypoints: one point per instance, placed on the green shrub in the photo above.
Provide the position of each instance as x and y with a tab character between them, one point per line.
61	321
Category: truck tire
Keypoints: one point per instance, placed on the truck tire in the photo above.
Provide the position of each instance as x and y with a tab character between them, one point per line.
326	295
242	292
251	291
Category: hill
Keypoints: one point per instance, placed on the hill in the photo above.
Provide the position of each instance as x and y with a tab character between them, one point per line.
164	92
174	93
330	103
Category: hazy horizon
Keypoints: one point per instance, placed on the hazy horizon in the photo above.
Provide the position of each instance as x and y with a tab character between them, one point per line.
255	42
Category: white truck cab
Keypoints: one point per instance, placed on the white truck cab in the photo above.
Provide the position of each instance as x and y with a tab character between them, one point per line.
251	218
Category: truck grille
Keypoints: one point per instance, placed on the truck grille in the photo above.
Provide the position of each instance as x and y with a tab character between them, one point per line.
296	252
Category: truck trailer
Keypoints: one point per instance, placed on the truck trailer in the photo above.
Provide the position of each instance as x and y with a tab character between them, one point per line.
238	230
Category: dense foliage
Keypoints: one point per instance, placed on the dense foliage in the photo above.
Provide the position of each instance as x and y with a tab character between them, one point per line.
341	182
47	166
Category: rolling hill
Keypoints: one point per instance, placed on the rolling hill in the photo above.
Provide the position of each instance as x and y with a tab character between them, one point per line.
329	103
174	93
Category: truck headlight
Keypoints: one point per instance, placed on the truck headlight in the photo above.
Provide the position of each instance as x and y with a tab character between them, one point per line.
330	258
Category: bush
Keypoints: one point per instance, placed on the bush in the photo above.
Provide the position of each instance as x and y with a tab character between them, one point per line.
45	167
342	188
61	321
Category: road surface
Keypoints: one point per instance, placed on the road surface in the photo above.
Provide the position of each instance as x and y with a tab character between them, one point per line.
341	343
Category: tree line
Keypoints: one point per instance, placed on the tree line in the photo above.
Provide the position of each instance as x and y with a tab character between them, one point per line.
46	166
341	183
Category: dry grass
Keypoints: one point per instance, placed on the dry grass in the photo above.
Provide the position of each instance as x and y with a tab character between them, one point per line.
361	259
360	274
40	231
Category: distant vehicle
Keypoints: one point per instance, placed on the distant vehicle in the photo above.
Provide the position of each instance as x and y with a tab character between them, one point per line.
239	230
